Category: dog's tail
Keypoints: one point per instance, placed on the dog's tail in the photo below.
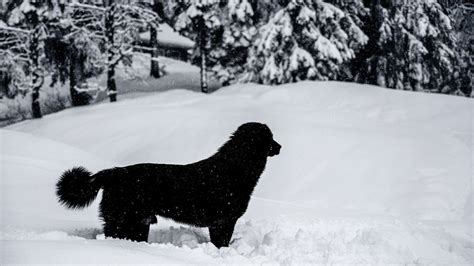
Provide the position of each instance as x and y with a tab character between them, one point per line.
77	188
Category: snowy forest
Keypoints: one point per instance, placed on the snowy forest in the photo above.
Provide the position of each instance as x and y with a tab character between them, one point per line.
404	45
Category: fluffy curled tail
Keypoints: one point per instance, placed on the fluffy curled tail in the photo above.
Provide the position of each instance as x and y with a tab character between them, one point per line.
77	188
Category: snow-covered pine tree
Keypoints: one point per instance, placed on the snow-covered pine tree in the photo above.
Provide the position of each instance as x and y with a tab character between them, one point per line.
73	52
199	21
229	55
34	16
462	14
82	52
117	25
355	9
358	13
415	47
264	10
307	39
70	49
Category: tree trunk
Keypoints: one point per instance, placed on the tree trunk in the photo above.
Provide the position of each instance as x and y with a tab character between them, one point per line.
203	49
155	64
36	52
77	79
111	86
109	32
35	104
204	87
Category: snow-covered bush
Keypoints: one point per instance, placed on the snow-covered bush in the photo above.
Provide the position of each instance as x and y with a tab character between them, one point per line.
13	77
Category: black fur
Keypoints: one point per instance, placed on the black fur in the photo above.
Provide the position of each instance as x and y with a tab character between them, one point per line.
212	193
76	189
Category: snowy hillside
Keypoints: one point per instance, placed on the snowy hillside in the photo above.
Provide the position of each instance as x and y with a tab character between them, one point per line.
365	175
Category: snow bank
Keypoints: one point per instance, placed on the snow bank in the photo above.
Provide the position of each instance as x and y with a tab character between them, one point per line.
365	175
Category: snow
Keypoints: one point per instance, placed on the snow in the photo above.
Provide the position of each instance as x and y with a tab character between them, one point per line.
168	37
366	175
327	49
242	9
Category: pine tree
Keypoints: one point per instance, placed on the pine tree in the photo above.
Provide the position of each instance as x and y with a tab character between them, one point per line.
355	9
264	10
304	40
67	46
414	47
73	51
199	20
34	17
358	13
463	15
229	55
117	25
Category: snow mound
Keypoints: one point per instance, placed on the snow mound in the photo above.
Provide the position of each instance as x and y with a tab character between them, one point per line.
30	167
365	175
346	147
344	241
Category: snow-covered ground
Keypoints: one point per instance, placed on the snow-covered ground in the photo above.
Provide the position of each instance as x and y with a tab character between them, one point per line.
366	175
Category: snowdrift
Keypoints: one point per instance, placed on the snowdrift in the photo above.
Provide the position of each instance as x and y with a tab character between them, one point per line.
365	175
30	166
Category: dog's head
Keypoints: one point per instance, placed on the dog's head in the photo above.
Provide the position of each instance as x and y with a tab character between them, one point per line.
258	135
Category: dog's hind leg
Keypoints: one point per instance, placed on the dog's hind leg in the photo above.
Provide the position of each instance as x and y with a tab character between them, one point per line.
138	231
131	228
114	229
221	233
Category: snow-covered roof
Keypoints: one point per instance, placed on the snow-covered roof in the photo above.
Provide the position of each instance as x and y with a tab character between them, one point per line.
167	36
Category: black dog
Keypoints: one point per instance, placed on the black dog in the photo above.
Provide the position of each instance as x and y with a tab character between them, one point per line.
212	193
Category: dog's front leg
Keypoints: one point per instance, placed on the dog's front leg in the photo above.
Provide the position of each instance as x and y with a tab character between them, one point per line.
221	233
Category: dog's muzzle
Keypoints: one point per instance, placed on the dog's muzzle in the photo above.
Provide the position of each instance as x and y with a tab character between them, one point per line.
274	149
